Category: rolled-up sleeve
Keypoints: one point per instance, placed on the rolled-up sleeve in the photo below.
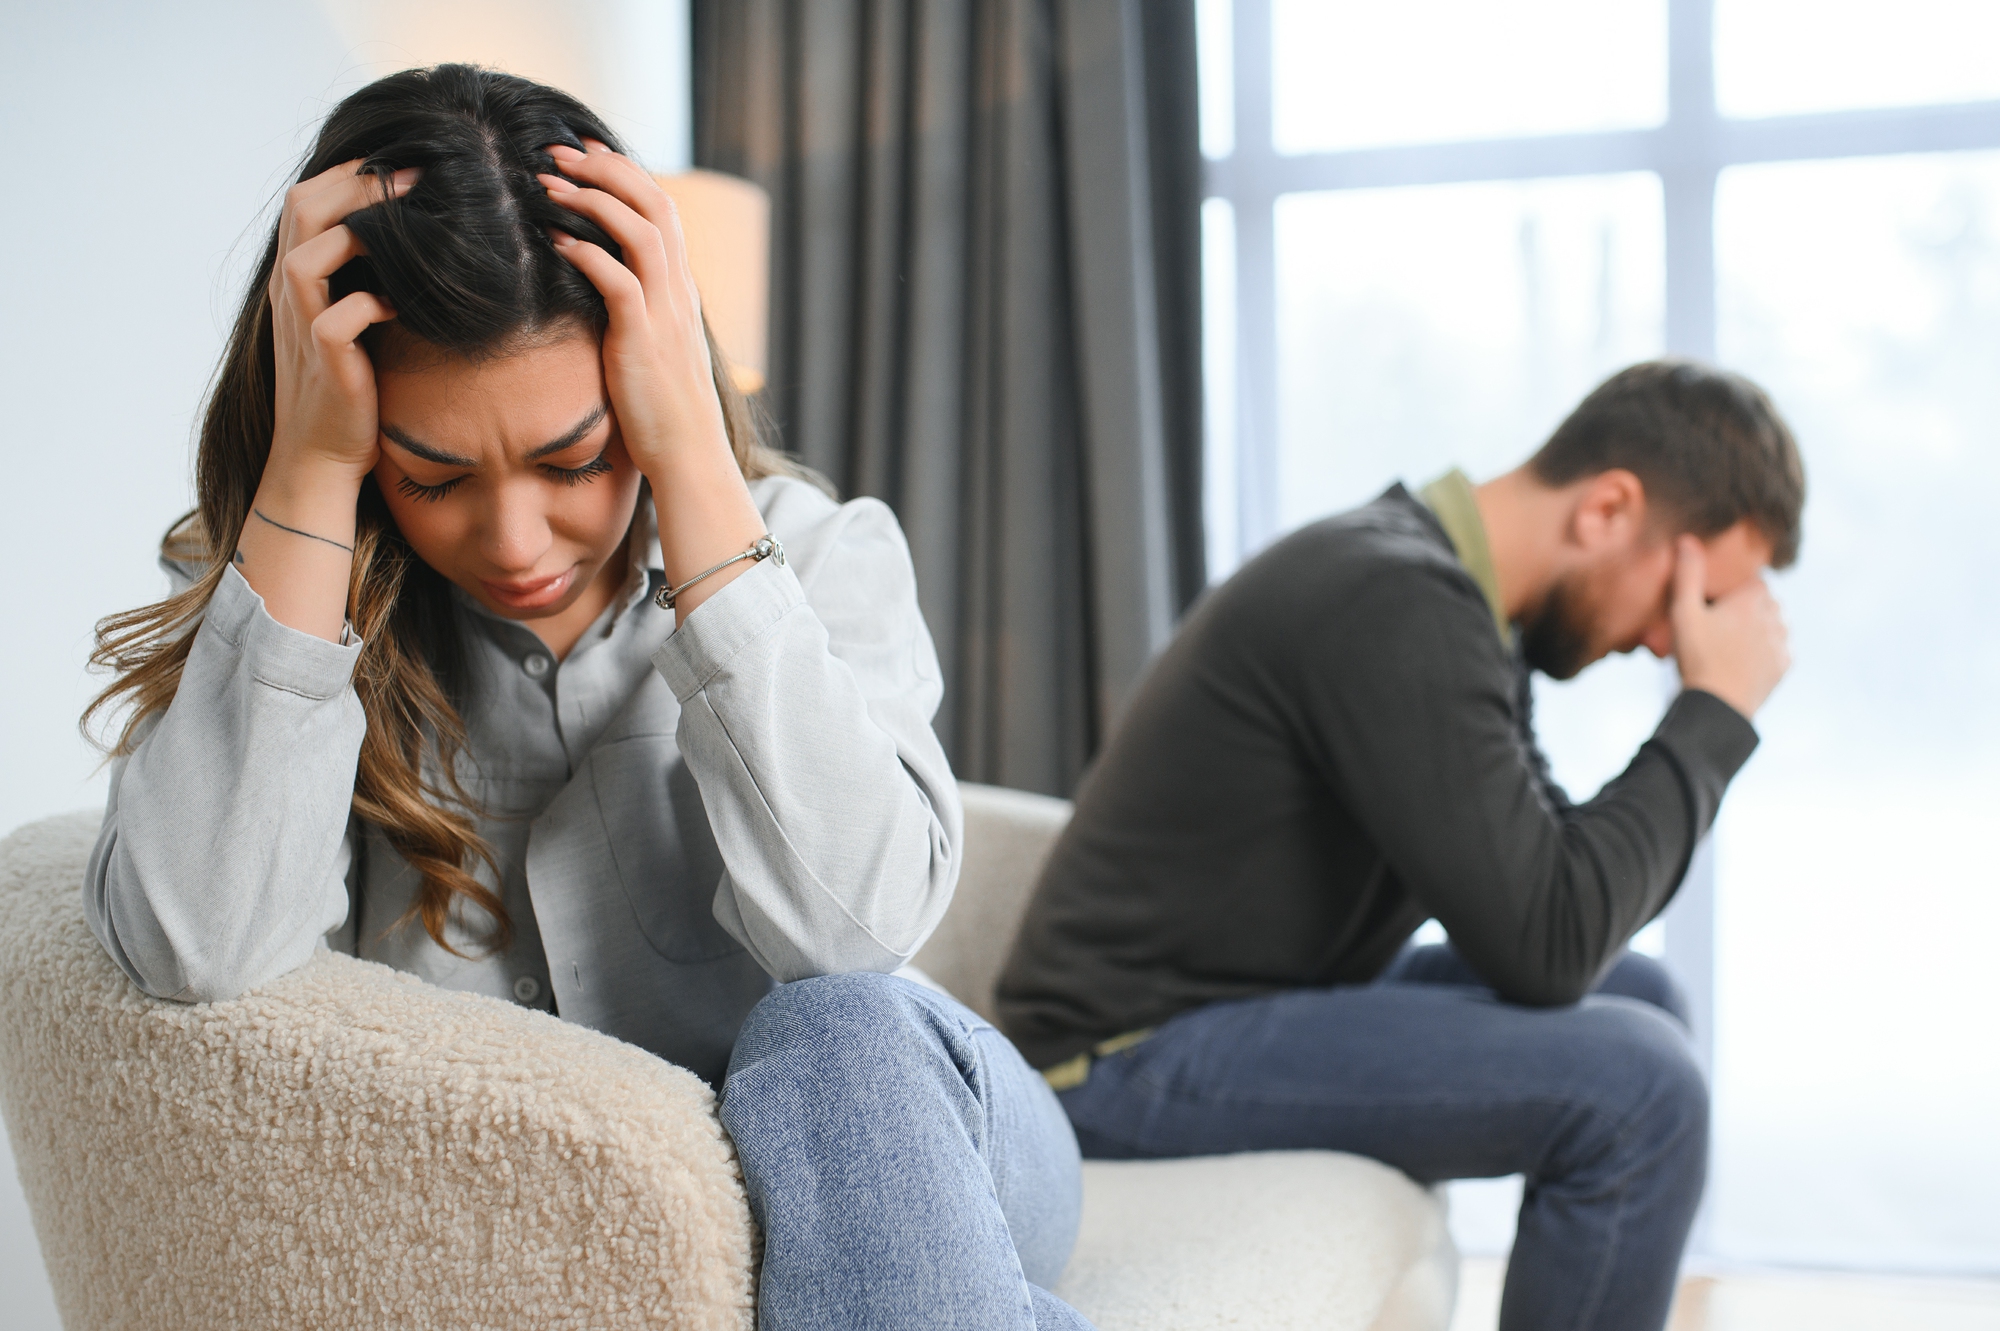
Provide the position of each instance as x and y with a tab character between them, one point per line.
807	693
224	853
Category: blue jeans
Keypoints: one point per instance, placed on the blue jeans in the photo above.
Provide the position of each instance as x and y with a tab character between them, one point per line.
908	1168
1600	1105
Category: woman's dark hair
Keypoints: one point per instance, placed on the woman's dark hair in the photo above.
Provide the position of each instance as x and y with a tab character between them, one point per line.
1708	446
465	259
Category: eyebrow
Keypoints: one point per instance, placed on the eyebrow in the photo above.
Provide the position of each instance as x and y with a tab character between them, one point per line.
572	435
567	439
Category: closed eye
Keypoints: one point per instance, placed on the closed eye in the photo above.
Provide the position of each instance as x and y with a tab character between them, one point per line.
428	493
589	471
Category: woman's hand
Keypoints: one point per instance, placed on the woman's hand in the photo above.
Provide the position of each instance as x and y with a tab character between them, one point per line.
296	548
656	365
325	406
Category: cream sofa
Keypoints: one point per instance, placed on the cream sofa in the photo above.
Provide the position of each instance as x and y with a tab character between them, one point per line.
349	1147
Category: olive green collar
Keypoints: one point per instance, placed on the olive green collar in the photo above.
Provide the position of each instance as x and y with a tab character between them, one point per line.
1450	497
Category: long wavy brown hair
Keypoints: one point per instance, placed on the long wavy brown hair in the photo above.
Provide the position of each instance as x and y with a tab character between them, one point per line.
465	259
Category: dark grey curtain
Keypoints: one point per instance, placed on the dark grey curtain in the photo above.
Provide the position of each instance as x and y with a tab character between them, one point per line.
986	312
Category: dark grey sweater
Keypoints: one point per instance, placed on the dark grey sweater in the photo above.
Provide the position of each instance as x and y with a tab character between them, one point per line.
1335	747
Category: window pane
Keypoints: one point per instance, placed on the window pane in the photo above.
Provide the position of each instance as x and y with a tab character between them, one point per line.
1858	1069
1441	324
1781	57
1215	50
1354	75
1445	325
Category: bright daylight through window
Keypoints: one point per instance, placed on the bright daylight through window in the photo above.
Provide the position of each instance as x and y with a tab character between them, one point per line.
1422	253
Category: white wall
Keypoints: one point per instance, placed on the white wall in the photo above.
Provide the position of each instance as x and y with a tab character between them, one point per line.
148	141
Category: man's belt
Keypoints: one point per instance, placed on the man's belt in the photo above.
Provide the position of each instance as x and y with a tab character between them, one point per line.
1074	1072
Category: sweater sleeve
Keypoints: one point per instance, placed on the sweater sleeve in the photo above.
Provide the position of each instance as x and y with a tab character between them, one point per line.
224	852
807	693
1415	723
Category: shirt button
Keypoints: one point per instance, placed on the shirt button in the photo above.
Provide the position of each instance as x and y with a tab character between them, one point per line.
527	989
536	666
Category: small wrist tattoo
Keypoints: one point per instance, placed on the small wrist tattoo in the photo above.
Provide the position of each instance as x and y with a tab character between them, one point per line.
323	540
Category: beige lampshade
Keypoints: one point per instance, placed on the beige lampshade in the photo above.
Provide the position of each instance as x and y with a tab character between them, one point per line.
727	223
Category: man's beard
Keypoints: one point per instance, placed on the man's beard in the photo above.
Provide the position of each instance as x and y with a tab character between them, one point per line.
1557	640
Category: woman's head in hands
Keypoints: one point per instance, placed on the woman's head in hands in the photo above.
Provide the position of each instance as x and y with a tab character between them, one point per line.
413	330
499	459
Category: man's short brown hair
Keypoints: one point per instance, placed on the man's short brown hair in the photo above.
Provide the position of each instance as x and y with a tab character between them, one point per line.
1708	446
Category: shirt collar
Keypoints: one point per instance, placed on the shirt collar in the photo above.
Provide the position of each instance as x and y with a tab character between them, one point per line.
1450	498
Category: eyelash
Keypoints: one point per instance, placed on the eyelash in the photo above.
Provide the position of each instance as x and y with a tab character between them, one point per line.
427	493
589	471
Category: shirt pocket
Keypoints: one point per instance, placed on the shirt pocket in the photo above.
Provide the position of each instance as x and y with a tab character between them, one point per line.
660	842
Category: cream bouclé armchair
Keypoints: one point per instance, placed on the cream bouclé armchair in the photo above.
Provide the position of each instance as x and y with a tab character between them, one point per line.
349	1147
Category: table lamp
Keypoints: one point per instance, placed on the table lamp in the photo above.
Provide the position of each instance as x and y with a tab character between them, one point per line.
727	222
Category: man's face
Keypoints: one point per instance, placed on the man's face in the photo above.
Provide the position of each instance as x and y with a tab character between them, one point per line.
1618	597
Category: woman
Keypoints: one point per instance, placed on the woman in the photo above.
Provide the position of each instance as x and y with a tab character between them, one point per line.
501	651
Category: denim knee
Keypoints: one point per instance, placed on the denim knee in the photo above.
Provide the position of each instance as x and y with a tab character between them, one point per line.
1639	976
834	1030
1647	1105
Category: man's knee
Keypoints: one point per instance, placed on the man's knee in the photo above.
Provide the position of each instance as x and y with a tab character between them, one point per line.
1648	1103
1636	975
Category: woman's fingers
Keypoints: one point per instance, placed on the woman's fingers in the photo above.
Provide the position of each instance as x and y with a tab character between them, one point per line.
306	269
305	189
348	318
625	180
314	206
624	294
616	174
600	163
645	249
322	205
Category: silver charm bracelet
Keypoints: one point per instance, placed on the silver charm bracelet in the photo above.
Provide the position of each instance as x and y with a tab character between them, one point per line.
767	547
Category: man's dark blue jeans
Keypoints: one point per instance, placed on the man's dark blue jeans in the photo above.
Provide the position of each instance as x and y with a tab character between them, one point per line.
1601	1105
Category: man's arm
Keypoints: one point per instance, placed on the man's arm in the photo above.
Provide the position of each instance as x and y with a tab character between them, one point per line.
1408	699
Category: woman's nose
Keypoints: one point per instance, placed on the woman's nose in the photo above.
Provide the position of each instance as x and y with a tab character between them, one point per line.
515	534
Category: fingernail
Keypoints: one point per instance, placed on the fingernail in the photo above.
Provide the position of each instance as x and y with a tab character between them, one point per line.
562	152
562	239
407	177
556	185
595	146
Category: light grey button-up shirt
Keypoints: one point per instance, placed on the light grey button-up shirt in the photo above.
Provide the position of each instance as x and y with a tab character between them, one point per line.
679	816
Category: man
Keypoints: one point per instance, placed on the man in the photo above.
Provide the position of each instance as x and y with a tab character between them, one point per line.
1337	746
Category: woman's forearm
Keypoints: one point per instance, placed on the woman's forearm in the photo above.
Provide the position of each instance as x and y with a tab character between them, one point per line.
706	515
223	855
296	549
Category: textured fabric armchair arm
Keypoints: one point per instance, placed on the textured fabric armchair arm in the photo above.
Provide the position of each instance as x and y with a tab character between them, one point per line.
346	1147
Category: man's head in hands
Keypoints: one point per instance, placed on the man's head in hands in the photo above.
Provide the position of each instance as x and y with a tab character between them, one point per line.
1648	520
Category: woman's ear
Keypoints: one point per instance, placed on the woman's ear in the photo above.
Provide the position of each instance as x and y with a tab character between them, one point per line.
1610	511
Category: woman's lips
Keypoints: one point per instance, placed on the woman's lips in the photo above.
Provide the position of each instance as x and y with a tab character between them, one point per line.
533	594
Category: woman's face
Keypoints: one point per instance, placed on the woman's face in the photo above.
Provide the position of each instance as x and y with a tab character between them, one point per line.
508	475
